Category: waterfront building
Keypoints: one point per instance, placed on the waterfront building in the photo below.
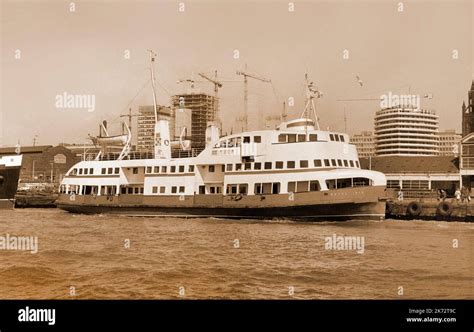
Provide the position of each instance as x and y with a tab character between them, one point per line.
43	164
365	144
448	142
406	131
417	173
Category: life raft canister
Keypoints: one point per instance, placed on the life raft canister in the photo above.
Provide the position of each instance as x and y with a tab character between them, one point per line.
444	209
414	209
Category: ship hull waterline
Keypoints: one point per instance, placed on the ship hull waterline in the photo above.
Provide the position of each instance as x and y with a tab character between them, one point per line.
366	205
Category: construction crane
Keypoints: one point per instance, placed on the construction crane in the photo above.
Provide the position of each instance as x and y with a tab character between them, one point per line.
245	74
217	85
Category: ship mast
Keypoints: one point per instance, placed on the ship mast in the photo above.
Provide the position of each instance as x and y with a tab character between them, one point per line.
152	70
311	93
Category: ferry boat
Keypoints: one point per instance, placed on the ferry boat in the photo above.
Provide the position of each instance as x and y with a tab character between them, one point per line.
10	167
296	171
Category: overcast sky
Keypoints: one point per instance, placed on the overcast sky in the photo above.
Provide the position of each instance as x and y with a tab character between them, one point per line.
82	52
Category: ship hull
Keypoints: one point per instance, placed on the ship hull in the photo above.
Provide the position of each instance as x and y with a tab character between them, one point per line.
8	186
343	204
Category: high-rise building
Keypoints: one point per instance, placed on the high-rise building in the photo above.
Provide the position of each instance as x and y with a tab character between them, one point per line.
203	109
146	125
448	142
406	131
365	144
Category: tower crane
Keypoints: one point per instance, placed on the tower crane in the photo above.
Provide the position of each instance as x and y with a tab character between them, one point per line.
246	75
217	85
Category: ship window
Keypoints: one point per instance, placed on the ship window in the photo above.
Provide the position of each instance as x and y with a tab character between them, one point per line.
135	170
174	189
337	138
314	186
222	168
123	190
191	168
291	138
164	169
290	164
331	184
344	183
267	188
303	163
243	189
80	171
212	190
357	163
232	189
268	165
181	189
246	139
155	190
91	171
342	138
257	188
317	163
257	139
156	169
282	138
86	171
229	167
346	164
130	190
291	187
137	190
238	167
313	137
333	162
172	169
331	137
181	168
162	190
218	190
339	162
257	166
362	182
279	165
74	171
301	138
302	186
103	171
148	169
248	166
351	162
276	188
326	163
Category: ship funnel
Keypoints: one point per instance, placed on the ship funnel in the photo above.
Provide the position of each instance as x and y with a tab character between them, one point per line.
212	134
162	140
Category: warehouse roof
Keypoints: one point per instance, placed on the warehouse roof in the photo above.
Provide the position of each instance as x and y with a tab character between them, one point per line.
415	164
25	149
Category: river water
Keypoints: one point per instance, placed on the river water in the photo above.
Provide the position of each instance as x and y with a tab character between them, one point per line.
117	257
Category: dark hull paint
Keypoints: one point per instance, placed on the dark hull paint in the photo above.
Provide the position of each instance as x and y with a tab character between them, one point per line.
345	204
9	185
314	212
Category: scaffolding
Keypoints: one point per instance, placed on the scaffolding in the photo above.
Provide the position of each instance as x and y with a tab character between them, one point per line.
203	109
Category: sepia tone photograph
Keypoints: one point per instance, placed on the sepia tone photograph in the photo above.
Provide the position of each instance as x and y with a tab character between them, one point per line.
237	150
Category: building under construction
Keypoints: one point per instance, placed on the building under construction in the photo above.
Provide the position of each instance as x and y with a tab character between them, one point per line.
203	108
146	125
